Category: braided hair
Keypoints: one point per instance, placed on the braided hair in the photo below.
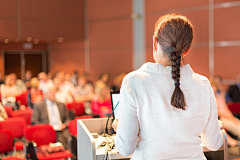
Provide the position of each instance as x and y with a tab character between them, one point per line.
174	33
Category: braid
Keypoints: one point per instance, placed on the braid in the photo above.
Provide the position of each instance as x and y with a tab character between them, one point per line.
174	34
177	100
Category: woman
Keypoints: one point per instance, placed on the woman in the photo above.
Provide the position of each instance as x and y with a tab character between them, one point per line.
230	122
164	106
101	103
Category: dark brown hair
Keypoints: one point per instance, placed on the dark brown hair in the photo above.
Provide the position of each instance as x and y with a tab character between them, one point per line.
174	33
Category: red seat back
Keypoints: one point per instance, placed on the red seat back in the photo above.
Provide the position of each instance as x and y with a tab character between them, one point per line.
9	110
6	141
72	125
234	107
41	134
26	114
77	107
22	98
15	125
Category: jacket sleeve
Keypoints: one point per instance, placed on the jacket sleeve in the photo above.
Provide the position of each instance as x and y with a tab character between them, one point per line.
128	125
36	119
66	117
211	135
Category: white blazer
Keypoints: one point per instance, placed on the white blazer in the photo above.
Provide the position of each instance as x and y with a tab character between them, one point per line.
151	129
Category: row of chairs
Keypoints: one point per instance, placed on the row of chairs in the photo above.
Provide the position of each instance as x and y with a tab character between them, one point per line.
15	128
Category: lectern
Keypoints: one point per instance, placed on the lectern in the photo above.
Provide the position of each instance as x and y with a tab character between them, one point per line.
87	144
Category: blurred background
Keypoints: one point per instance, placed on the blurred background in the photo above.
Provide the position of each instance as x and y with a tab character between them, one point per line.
99	36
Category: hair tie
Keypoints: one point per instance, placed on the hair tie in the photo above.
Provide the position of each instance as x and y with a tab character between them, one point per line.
177	84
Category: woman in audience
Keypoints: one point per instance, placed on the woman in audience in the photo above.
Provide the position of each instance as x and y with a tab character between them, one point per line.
117	82
104	78
3	114
9	92
231	123
83	91
101	103
165	106
36	93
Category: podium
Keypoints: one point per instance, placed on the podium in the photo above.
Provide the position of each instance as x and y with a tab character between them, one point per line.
87	144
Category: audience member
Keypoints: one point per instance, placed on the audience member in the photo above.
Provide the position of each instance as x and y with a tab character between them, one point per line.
65	86
35	94
9	92
101	103
61	96
3	114
50	111
18	83
50	75
84	91
104	78
74	78
234	90
231	123
44	81
28	77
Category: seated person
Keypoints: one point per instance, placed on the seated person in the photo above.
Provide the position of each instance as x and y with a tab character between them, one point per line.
3	114
65	86
28	77
34	94
61	96
50	111
230	123
101	103
234	91
83	91
21	87
9	92
44	81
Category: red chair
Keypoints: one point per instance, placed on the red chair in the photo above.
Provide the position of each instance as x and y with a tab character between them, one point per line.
16	126
72	125
43	134
26	114
6	140
9	110
77	107
22	98
234	108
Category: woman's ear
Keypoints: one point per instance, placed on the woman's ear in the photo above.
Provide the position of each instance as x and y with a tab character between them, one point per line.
155	44
185	53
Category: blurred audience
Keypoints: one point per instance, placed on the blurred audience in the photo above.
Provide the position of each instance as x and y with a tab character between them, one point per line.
83	91
117	82
50	111
44	81
101	103
28	77
65	86
50	75
18	83
104	78
34	94
3	114
231	123
9	92
61	96
74	78
234	90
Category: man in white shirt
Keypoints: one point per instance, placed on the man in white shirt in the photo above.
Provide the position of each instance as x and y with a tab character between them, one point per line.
44	81
50	111
61	96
